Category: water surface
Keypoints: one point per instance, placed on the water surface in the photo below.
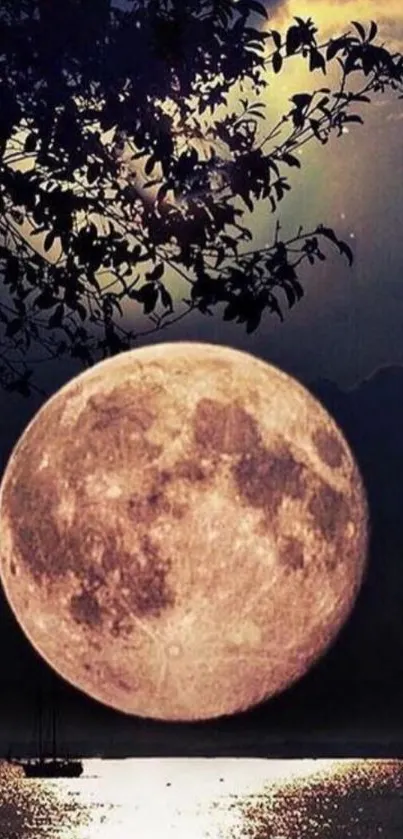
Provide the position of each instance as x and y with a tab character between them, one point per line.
208	799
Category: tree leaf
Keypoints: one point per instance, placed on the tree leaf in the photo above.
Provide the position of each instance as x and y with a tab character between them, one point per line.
302	100
373	31
13	327
290	294
353	118
253	321
293	40
166	298
49	240
360	29
316	60
291	160
277	62
346	251
156	273
148	296
335	46
328	233
46	299
82	311
254	6
231	311
93	172
151	162
30	143
56	319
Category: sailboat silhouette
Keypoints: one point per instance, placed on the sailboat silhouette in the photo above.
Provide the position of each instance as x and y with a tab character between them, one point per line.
48	763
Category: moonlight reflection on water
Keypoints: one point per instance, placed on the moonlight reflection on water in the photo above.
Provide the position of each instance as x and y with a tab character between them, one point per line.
209	799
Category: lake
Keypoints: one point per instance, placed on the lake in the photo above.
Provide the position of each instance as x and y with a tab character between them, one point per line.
208	799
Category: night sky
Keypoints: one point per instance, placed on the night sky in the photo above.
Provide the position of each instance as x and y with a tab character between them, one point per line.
344	341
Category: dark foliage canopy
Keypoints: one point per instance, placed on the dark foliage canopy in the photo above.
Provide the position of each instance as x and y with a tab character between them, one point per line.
134	149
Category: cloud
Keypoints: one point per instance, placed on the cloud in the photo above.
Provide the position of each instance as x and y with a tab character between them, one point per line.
394	117
330	16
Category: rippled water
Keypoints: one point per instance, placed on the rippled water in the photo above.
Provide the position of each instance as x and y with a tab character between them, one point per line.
196	799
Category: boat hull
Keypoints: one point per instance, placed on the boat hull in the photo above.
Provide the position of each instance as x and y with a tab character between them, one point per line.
51	768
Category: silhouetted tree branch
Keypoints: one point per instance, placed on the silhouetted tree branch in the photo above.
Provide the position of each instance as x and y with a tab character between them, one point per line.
123	167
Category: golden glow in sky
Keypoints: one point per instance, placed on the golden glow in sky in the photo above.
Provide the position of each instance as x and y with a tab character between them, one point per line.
330	16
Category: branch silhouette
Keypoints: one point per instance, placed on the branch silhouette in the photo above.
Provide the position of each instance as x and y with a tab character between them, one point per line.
134	150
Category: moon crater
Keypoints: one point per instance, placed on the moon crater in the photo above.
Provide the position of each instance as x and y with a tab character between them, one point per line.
329	448
292	554
224	428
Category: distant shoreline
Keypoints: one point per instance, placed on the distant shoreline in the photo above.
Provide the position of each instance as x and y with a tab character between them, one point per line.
328	751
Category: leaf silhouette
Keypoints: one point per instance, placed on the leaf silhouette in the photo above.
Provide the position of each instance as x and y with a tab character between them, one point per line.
277	61
360	29
13	326
291	160
253	6
373	31
49	240
45	300
293	40
56	319
346	250
336	45
30	143
316	61
156	273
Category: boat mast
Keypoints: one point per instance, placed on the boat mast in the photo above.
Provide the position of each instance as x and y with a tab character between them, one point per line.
40	725
53	711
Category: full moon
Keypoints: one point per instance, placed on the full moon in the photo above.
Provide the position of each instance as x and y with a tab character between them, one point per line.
183	531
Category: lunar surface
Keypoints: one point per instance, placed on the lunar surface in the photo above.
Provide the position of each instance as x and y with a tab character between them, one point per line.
183	531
